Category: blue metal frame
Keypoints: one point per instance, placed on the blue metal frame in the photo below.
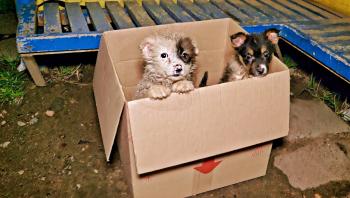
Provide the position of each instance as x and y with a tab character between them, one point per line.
29	42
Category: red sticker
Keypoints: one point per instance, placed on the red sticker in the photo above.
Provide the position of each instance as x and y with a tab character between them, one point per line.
208	166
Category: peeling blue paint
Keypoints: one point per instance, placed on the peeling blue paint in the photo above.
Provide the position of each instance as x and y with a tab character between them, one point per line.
59	42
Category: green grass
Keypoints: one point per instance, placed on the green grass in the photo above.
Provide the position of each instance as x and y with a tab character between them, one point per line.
11	81
64	73
290	62
329	98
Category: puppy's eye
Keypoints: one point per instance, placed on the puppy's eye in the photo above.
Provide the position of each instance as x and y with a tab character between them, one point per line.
185	55
164	55
266	54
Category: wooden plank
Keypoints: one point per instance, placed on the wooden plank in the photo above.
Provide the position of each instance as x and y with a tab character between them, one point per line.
248	9
195	11
26	20
323	24
233	12
336	39
76	18
318	23
119	16
268	11
339	48
157	13
285	11
328	31
52	22
210	9
337	42
138	14
34	70
299	10
337	9
315	9
98	17
176	11
347	56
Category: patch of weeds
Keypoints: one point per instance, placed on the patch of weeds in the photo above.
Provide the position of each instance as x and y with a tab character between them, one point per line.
332	100
65	73
291	64
11	81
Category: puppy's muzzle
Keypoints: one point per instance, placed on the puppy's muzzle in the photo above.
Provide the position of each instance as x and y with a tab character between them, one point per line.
177	70
261	69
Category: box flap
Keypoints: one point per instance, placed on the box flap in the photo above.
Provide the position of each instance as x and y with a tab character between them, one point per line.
109	97
209	121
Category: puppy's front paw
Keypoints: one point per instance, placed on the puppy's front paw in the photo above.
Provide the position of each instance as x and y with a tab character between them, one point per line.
158	92
183	86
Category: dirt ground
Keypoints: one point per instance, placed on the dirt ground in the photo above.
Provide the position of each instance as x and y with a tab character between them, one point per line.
63	156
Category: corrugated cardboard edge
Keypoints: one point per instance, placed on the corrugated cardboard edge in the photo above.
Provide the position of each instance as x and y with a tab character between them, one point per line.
109	96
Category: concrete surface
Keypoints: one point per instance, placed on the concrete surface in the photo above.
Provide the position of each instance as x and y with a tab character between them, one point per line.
312	118
319	162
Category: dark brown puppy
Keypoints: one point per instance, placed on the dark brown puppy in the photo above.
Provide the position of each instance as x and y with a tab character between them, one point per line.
253	55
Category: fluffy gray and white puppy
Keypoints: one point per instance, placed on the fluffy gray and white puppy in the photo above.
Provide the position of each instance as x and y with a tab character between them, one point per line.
169	64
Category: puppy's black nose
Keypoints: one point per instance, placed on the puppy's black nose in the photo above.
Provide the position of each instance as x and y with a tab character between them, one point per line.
178	69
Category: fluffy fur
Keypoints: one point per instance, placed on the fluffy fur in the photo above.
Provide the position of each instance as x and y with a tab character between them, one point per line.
253	54
169	64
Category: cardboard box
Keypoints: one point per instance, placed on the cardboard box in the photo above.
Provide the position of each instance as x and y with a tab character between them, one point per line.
163	140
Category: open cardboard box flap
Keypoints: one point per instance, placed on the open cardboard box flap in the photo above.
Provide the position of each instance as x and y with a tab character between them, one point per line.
187	127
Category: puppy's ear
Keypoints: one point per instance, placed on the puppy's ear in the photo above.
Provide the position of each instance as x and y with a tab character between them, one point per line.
272	35
238	39
146	47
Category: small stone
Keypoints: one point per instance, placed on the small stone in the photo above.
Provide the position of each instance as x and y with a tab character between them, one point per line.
4	112
20	123
73	101
33	121
3	122
4	145
95	171
78	186
317	195
82	124
49	113
21	172
43	178
36	114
